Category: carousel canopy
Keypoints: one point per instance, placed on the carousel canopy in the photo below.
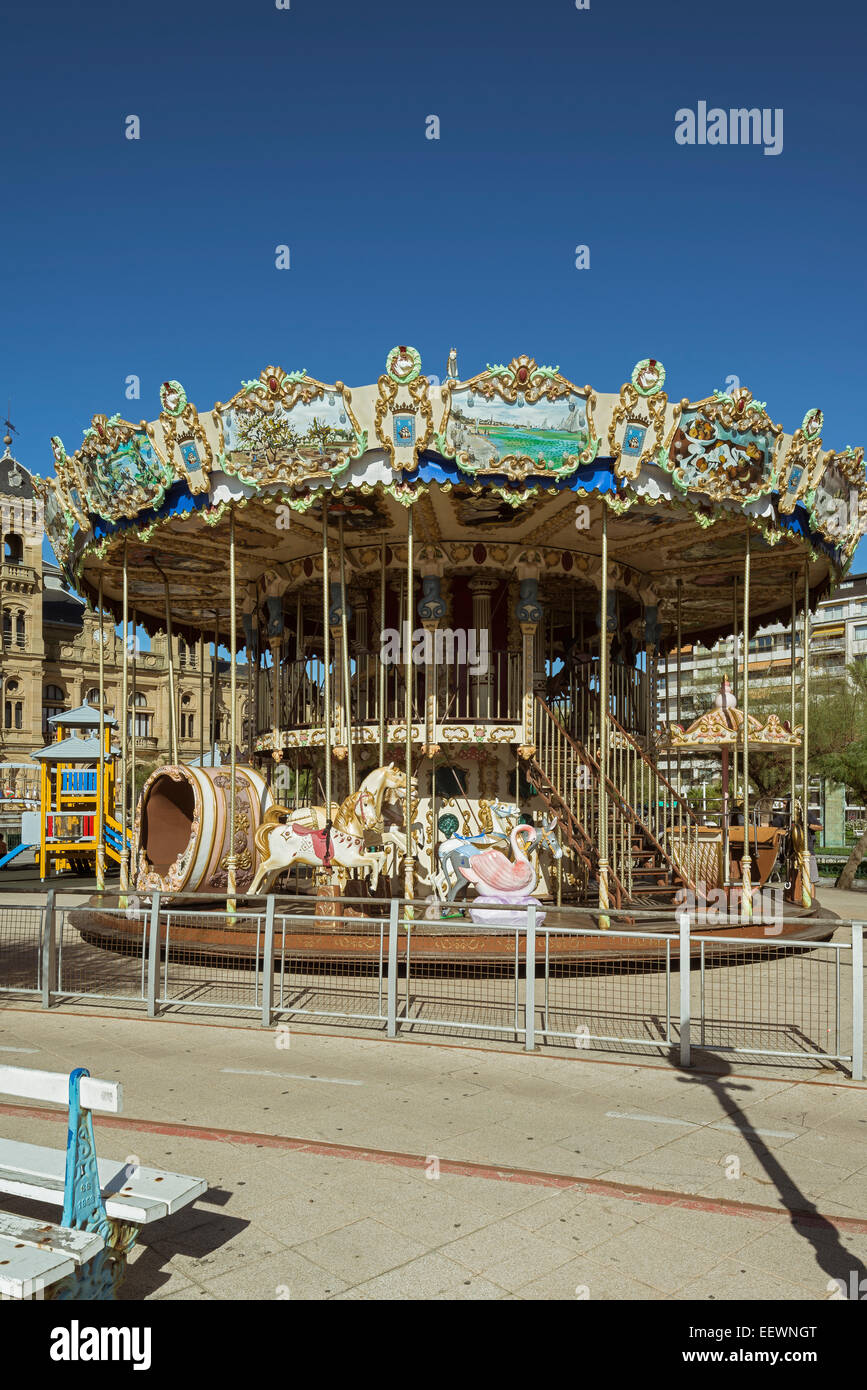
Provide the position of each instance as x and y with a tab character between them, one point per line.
508	469
722	728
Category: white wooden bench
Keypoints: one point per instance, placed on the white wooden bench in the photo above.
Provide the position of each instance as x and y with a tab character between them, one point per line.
105	1201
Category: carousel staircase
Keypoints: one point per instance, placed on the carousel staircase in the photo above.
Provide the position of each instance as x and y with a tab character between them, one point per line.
644	811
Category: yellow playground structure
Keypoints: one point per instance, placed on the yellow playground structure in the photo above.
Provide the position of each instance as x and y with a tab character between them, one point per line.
77	795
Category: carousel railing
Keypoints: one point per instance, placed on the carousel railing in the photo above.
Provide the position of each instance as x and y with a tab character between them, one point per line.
574	694
459	693
645	813
662	810
573	776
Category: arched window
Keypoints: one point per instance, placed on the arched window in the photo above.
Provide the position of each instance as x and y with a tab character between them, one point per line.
13	549
20	631
138	699
186	654
92	696
53	702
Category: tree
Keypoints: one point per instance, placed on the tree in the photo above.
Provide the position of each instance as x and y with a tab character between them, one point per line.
266	436
841	728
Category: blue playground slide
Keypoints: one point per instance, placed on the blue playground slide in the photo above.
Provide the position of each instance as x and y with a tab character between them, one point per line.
19	849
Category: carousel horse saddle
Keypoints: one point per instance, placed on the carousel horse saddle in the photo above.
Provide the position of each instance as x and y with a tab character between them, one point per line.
323	846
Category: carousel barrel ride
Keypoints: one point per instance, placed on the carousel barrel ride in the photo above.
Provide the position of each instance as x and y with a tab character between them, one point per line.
577	536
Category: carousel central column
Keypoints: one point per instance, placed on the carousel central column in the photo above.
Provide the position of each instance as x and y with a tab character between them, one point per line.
481	589
528	611
431	610
124	733
604	640
746	871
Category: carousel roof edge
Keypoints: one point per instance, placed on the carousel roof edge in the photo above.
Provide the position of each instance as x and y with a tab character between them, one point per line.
521	428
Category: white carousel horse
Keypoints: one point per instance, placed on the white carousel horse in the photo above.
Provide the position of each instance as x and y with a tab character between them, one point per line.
279	846
383	782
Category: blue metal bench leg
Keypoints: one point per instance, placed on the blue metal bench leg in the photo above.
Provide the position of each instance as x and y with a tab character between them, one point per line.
84	1209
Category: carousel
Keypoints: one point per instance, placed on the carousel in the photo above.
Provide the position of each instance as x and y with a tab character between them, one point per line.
452	599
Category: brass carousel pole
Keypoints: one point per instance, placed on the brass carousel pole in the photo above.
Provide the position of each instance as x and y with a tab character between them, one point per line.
746	871
806	883
408	864
173	713
344	651
735	680
794	630
124	732
214	691
133	718
679	659
231	860
381	669
100	775
202	698
326	656
604	921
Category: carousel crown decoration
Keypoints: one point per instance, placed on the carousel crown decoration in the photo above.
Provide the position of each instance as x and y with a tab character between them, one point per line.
510	430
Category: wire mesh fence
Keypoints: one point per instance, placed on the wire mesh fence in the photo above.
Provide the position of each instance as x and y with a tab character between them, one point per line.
564	983
102	953
331	965
210	961
774	999
460	979
594	990
21	950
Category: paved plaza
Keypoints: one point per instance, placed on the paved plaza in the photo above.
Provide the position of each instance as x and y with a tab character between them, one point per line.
352	1167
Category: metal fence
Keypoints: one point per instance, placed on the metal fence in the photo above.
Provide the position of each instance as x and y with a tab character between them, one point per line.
555	982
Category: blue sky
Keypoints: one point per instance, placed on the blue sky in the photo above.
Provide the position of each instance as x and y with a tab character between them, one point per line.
306	127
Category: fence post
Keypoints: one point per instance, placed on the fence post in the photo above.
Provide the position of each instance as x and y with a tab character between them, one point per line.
49	947
530	982
391	1006
857	1001
154	955
684	964
268	963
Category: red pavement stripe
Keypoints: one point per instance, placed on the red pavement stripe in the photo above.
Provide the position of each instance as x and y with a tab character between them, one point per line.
722	1206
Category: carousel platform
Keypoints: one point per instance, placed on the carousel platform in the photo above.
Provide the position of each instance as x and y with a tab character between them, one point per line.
351	934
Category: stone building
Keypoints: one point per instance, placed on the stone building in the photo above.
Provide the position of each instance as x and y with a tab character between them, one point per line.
50	655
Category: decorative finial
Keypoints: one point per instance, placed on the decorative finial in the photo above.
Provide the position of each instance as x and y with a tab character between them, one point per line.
725	699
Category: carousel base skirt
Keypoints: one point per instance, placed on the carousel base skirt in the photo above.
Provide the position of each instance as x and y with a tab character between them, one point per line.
360	934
